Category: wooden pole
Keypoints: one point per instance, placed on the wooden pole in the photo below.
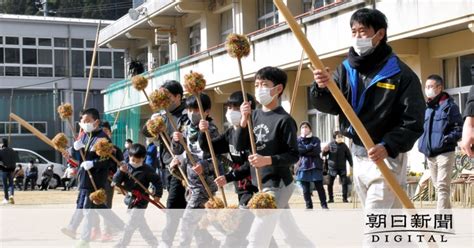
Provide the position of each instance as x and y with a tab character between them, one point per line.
189	155
83	156
297	84
45	139
91	71
168	147
344	105
211	147
118	112
136	181
250	126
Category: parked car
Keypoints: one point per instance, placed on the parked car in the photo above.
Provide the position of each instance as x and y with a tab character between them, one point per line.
25	156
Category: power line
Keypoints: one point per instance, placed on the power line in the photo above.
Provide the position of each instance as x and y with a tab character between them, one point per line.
102	7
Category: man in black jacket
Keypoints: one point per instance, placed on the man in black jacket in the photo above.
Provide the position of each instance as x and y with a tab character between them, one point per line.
176	191
339	154
386	95
9	158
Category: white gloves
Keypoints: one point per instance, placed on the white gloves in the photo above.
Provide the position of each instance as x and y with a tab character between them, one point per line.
87	165
78	145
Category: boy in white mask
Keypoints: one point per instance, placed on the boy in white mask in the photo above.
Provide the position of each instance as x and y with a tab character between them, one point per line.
386	95
275	134
234	143
99	169
136	199
197	195
231	142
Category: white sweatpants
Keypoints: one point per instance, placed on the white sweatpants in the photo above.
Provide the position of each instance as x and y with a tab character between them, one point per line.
370	185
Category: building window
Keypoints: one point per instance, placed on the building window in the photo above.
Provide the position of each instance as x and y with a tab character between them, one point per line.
12	55
12	71
60	63
90	43
267	13
78	63
105	64
77	43
315	4
458	71
466	68
45	72
11	40
16	129
60	42
44	42
118	65
30	71
45	57
105	59
29	41
29	56
88	64
36	57
227	24
89	58
195	38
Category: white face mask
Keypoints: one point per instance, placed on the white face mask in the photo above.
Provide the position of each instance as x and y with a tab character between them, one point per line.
127	145
362	46
263	95
430	93
135	165
233	117
87	127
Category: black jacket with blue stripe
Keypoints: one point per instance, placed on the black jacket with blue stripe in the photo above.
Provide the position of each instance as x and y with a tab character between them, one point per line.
388	100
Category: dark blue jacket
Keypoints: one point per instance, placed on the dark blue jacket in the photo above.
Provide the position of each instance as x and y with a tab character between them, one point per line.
442	127
101	165
151	155
309	149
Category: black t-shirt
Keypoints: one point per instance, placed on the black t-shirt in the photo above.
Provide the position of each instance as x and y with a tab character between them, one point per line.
276	136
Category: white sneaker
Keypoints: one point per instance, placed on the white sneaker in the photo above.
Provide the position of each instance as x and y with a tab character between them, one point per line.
5	201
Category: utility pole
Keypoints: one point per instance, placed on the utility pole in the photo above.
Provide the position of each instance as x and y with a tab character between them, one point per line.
45	7
42	5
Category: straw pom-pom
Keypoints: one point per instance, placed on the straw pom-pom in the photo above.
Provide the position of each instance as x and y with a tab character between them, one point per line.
159	99
194	82
98	197
60	141
262	201
229	218
65	111
103	148
217	203
156	126
238	46
139	82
